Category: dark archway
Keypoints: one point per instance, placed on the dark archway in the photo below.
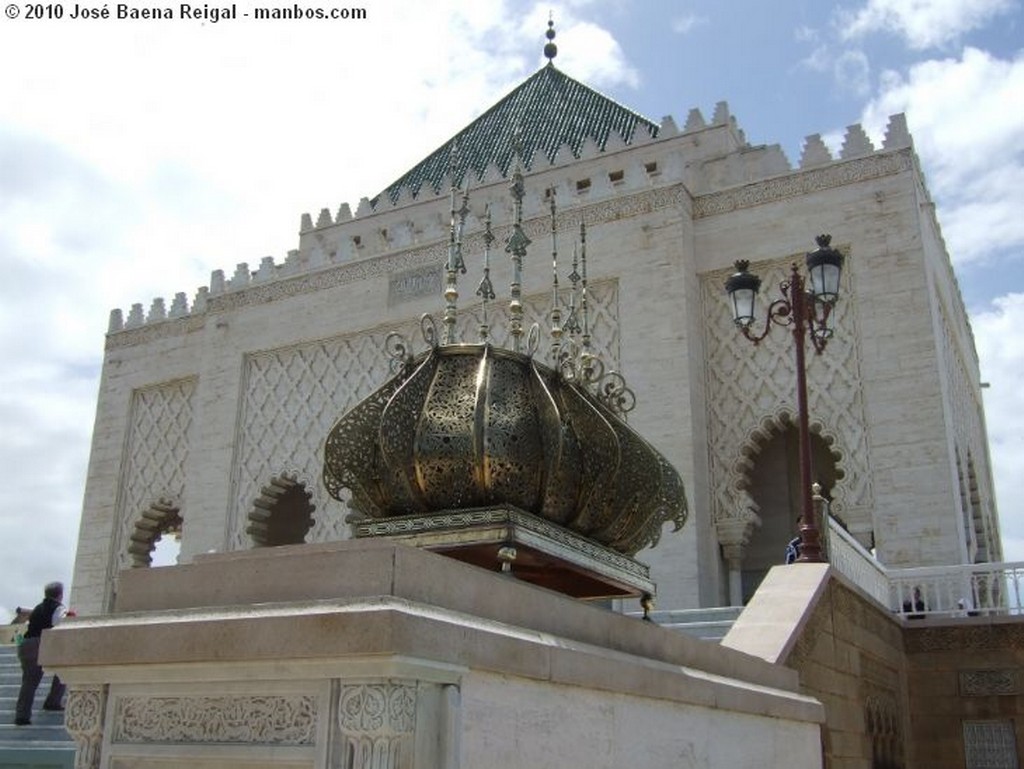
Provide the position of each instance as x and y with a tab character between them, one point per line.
773	482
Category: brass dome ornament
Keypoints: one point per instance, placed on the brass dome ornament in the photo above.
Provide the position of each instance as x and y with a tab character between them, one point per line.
467	436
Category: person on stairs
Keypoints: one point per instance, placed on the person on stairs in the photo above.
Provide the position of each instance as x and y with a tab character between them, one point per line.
45	615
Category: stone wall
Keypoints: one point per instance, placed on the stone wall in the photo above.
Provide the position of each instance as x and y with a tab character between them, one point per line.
898	693
967	691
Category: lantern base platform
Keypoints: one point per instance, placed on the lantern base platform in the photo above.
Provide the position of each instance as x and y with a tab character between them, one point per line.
545	554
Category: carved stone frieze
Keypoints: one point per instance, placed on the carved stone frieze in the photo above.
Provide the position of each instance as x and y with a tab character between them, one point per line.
83	718
985	683
246	719
803	183
152	332
966	638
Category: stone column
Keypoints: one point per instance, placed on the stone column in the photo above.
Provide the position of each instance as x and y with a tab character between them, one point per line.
734	535
83	718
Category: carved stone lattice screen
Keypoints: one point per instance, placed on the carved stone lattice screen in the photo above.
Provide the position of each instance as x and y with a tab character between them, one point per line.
748	385
293	396
156	453
990	745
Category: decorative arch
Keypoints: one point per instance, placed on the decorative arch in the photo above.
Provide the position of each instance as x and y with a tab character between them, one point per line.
763	485
282	514
769	428
163	517
882	722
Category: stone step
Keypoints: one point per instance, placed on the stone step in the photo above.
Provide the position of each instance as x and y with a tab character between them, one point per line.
41	755
708	624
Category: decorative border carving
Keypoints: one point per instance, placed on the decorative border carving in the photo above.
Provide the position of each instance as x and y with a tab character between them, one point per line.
415	524
804	183
987	683
266	720
965	638
377	725
83	718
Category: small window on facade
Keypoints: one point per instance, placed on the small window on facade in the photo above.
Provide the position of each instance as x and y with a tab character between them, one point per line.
651	168
990	745
357	240
583	185
616	176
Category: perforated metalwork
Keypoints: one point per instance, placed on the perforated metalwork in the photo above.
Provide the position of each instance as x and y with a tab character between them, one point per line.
475	426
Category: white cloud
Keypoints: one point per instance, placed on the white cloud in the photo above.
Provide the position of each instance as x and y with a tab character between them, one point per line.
137	157
922	24
1001	352
852	72
965	116
685	23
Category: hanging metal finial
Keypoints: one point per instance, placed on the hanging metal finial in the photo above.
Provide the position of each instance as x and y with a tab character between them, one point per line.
550	49
486	289
516	247
572	321
556	310
455	263
586	357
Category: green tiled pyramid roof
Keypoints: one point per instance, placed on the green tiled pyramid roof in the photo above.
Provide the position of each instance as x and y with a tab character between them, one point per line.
548	110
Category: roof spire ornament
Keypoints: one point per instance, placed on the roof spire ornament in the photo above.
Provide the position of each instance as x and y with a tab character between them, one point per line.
556	310
455	263
486	288
516	245
550	49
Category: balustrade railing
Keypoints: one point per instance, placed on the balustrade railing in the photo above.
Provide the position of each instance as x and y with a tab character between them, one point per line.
965	590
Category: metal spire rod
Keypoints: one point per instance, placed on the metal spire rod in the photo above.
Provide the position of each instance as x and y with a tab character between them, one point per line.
516	247
455	263
586	357
556	310
486	289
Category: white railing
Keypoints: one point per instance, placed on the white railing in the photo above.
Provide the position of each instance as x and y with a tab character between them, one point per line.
965	590
847	556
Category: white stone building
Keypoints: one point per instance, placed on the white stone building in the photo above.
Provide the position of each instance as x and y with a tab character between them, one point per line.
212	413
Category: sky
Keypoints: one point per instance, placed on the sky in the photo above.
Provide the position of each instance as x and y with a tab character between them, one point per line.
137	156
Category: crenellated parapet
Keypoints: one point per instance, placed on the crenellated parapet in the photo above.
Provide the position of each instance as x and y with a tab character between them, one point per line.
707	159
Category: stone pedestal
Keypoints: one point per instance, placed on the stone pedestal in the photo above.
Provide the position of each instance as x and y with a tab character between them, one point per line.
372	655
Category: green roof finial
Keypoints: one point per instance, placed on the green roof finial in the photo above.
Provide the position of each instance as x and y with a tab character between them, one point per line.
550	49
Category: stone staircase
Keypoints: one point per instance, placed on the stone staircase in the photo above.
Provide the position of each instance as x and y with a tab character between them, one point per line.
708	624
43	744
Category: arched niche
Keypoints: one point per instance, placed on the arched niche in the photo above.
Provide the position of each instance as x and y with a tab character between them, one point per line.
282	514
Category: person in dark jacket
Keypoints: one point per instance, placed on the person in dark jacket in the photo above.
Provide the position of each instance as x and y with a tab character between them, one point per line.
47	614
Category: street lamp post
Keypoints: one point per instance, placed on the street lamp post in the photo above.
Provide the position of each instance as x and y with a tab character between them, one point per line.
803	311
